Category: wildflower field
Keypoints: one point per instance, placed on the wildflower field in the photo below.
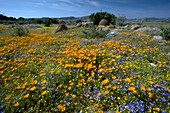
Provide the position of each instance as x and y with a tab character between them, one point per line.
68	73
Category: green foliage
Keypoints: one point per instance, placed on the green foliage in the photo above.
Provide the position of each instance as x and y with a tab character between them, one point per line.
166	32
78	21
47	23
97	17
20	31
93	33
121	19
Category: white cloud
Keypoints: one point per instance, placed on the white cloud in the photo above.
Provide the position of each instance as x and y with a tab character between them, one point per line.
93	3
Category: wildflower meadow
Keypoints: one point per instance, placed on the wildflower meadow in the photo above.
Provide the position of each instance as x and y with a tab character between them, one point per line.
127	73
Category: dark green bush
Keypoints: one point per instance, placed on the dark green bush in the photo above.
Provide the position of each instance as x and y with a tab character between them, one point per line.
97	17
166	33
47	23
20	31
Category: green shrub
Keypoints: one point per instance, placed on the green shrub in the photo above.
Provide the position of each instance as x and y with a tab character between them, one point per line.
166	33
20	31
92	32
97	17
121	19
47	23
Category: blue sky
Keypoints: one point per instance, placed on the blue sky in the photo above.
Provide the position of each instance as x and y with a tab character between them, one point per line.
77	8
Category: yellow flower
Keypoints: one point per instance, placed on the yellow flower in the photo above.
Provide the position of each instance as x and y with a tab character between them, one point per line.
96	105
33	88
150	95
128	80
156	109
106	92
44	92
16	104
114	87
105	81
44	81
34	82
131	88
8	97
41	74
27	95
61	108
73	96
142	88
150	82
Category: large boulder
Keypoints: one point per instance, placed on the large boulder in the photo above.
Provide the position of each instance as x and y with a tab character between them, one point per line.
60	28
135	27
79	24
158	37
103	22
148	29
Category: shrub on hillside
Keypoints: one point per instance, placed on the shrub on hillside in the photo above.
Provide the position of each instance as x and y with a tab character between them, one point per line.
47	23
93	33
97	17
20	31
166	33
121	19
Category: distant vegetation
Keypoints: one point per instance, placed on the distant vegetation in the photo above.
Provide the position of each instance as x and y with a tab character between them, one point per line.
97	17
73	20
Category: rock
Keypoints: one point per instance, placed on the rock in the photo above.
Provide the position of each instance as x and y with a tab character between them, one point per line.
158	37
168	54
114	32
135	27
147	29
79	25
125	27
103	22
87	24
31	26
60	28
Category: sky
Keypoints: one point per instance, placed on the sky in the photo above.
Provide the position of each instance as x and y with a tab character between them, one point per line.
78	8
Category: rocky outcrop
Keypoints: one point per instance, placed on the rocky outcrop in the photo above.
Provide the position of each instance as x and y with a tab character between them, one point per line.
158	37
135	27
103	22
60	28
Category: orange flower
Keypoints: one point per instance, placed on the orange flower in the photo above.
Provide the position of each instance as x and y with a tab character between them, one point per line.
16	104
61	108
73	96
106	92
128	80
105	81
44	92
142	88
114	87
34	82
27	95
33	88
131	88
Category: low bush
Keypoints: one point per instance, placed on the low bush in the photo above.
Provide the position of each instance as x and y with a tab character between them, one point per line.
166	33
94	33
20	31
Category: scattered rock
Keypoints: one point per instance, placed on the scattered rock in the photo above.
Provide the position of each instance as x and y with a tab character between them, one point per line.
87	24
60	28
158	37
103	22
31	26
114	32
148	29
79	25
168	54
135	27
